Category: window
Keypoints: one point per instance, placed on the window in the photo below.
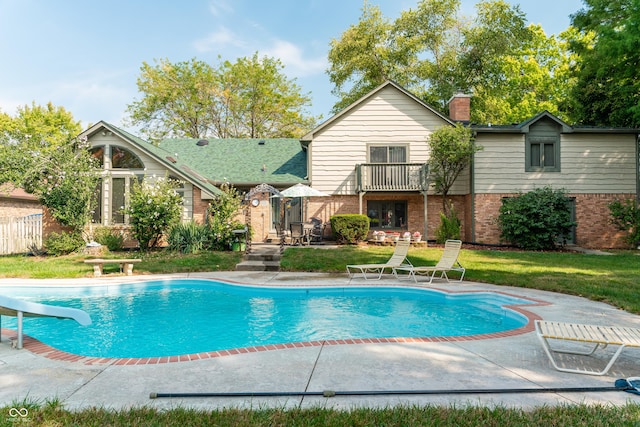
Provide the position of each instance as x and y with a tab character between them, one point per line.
542	154
97	211
387	172
98	154
121	158
120	189
387	214
387	154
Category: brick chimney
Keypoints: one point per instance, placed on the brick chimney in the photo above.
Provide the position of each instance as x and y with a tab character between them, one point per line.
460	107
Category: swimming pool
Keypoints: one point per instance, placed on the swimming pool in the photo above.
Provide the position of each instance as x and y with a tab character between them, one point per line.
188	316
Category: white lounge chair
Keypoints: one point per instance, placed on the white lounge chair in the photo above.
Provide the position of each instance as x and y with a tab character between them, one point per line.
598	336
398	259
448	262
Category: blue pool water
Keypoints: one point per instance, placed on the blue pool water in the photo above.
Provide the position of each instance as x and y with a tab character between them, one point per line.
175	317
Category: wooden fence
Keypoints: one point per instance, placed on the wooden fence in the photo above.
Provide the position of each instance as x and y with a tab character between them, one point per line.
17	235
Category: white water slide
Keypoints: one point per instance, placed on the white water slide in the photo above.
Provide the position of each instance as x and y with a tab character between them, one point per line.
20	308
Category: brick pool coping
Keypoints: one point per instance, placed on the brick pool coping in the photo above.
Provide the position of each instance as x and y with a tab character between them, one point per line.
37	347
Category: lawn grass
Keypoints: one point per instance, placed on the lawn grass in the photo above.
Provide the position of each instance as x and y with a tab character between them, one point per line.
157	262
52	414
614	279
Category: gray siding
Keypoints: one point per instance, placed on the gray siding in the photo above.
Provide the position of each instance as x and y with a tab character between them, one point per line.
590	163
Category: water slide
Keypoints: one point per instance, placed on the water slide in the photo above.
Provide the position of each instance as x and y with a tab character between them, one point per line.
20	308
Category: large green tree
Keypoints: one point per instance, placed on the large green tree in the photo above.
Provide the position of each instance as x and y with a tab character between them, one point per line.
250	98
435	52
607	92
32	134
39	152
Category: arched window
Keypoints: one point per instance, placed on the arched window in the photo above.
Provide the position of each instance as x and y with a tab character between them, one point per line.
121	158
98	153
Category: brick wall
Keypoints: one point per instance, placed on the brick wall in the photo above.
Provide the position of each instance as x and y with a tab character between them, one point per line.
199	206
594	229
593	217
16	208
326	207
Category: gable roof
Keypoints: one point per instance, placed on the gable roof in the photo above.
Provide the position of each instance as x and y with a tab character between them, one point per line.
525	126
389	83
158	154
242	162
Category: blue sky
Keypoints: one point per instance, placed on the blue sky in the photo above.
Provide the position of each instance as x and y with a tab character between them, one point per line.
85	55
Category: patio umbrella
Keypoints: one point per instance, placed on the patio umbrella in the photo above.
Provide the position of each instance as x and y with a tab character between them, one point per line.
301	190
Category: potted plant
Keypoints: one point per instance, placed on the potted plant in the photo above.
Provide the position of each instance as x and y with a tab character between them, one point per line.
406	236
417	236
379	236
395	236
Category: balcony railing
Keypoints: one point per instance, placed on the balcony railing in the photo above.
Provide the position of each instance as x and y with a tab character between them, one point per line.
392	176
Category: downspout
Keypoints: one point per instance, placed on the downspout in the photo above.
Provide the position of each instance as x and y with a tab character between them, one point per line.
426	219
472	184
638	168
359	187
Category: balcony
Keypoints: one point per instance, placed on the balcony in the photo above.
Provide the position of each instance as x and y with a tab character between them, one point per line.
392	177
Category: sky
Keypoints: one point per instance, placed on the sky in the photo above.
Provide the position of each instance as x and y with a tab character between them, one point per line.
86	55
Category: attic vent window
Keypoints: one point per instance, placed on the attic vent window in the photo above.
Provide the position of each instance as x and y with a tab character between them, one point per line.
261	142
202	142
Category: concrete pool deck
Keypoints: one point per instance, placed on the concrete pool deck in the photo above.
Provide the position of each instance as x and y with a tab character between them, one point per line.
514	361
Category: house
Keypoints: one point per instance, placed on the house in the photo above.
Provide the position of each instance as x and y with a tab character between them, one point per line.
16	203
201	166
372	158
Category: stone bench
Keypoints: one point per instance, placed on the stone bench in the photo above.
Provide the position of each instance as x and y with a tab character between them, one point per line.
126	265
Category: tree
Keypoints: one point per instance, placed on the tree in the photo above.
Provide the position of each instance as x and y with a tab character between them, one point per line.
40	153
607	91
434	53
177	99
250	98
366	55
31	136
533	78
451	150
65	181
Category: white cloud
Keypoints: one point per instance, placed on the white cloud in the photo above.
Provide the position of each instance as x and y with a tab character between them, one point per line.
217	40
220	7
293	59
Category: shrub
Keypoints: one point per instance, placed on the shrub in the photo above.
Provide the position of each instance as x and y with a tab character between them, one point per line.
537	220
626	216
63	243
350	228
220	218
449	227
188	237
110	238
154	207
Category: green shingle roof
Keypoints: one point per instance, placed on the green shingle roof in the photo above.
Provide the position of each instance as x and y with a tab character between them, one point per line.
242	162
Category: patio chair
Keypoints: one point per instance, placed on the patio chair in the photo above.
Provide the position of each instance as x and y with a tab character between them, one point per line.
298	234
398	259
598	336
448	262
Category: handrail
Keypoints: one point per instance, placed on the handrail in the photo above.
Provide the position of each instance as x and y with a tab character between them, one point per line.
392	177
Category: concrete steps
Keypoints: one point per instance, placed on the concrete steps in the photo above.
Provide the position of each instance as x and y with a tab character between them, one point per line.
261	258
